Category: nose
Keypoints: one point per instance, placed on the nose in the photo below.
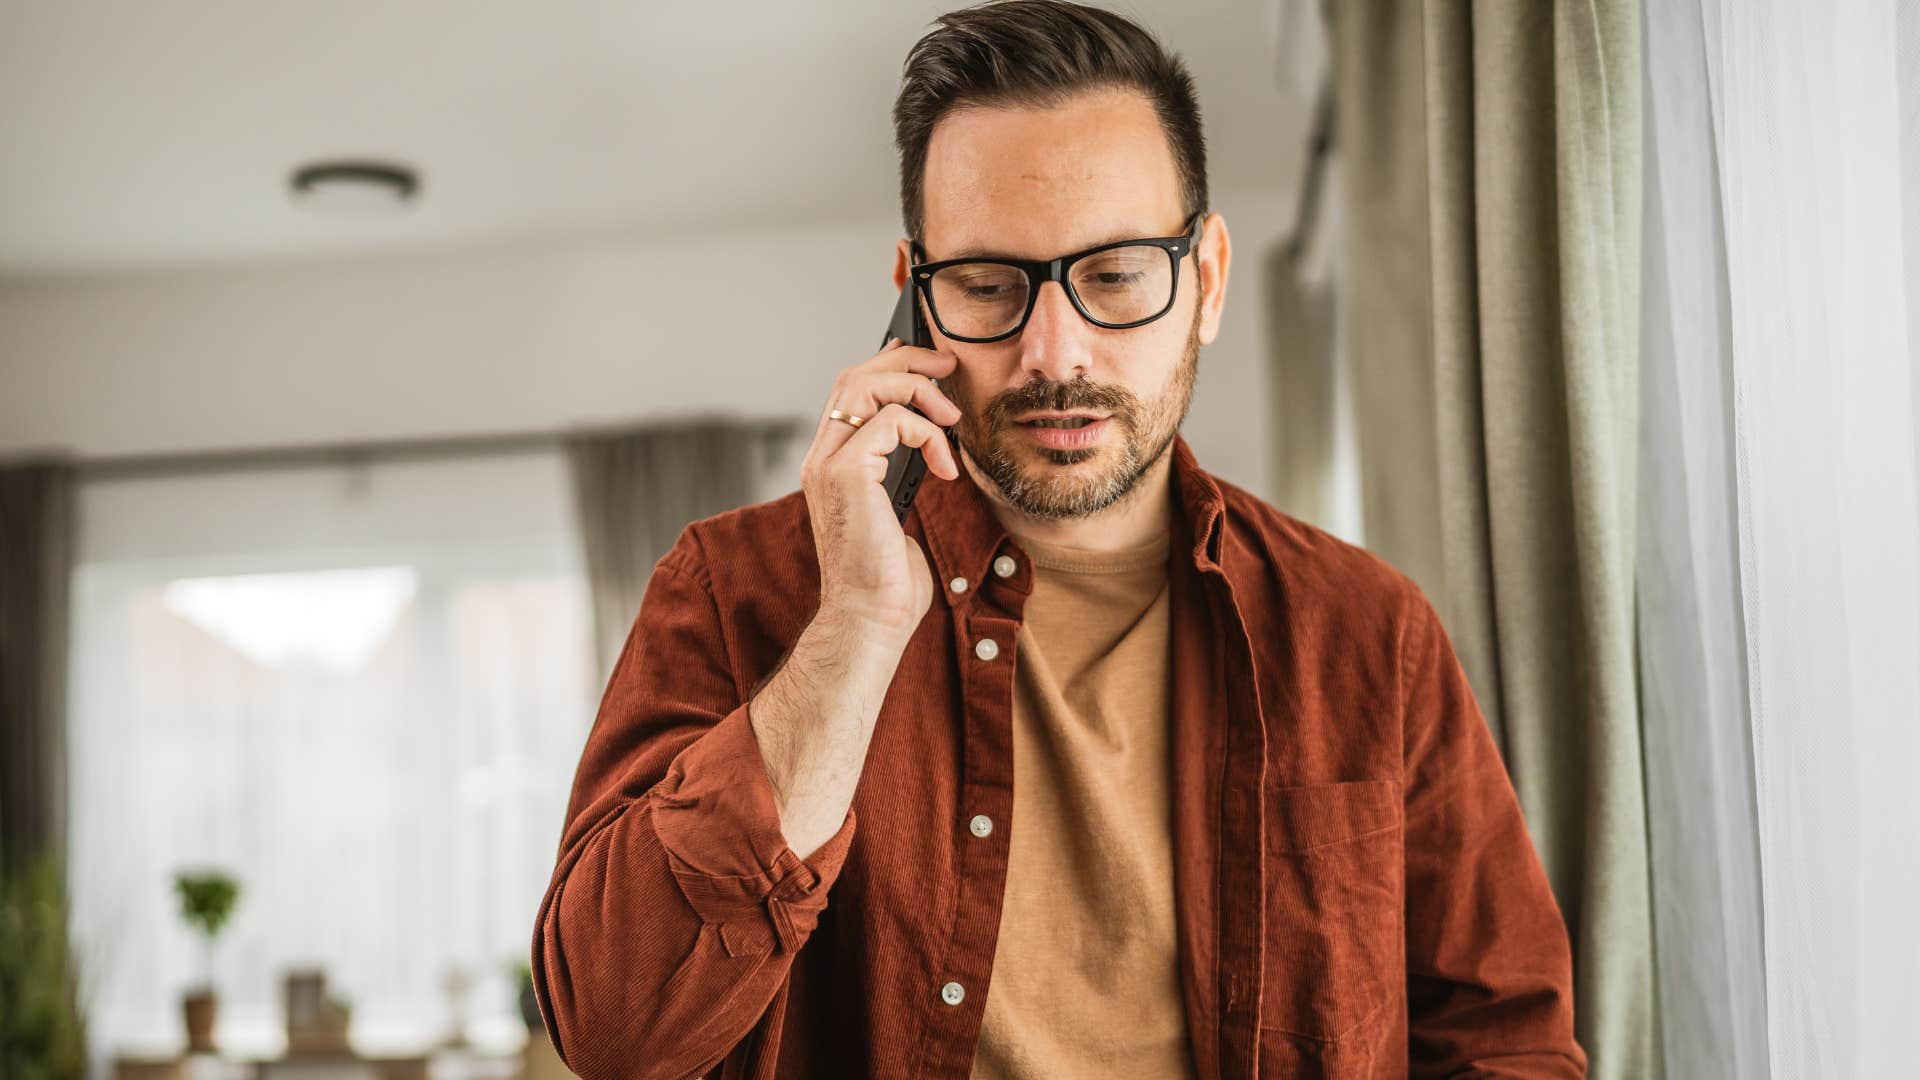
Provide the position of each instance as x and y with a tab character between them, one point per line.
1054	342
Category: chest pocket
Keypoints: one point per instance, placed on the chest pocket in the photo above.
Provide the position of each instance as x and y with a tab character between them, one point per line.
1334	906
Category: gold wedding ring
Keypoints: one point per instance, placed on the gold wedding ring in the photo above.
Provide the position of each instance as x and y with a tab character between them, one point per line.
846	418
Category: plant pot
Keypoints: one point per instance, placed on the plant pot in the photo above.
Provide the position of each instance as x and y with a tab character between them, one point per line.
201	1007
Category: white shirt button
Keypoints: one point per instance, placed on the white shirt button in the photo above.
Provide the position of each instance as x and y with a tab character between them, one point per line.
958	584
1005	566
986	648
953	993
981	825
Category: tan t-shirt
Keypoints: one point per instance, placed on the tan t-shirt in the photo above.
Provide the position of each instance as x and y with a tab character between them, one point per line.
1085	977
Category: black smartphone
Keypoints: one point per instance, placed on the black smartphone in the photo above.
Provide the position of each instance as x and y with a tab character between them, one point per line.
907	466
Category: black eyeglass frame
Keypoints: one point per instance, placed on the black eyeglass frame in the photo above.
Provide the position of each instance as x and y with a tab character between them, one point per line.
1041	271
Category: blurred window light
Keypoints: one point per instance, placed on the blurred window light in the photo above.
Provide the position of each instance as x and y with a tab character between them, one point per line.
332	618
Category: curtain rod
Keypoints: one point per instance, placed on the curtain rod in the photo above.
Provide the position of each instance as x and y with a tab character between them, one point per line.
174	463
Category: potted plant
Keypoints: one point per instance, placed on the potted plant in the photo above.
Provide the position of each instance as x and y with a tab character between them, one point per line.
42	1032
206	901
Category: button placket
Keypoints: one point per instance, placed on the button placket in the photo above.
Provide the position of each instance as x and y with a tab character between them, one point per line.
987	624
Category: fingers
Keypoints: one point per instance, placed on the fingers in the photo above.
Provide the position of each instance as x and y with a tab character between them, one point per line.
869	394
897	356
868	448
865	389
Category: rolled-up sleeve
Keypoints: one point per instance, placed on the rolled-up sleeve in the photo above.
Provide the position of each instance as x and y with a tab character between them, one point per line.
1489	968
676	905
716	820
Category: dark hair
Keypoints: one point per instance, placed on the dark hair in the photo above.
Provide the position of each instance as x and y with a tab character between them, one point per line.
1038	53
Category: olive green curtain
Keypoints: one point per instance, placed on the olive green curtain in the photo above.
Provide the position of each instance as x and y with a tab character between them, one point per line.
1490	162
635	489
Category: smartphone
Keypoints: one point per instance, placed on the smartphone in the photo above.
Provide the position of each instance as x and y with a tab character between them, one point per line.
907	466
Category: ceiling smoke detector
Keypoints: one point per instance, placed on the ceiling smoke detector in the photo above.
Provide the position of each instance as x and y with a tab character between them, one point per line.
355	188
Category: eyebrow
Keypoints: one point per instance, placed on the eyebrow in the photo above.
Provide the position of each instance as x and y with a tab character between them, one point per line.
1111	238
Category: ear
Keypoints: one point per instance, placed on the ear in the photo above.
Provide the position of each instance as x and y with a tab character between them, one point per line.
1212	258
902	259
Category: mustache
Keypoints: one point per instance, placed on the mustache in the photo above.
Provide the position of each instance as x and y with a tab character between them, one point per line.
1060	397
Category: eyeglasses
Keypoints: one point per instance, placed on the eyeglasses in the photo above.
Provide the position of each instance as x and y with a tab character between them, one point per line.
1116	286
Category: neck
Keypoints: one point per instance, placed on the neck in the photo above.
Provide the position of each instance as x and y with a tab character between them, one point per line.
1140	516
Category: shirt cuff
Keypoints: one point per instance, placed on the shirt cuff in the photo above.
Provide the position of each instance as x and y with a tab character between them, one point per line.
715	816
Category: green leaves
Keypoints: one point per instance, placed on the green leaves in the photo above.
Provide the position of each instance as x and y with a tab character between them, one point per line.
42	1035
206	899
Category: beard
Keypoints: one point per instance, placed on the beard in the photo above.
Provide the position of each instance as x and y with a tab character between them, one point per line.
1055	485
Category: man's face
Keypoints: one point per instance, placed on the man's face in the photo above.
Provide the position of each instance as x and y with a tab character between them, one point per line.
1037	184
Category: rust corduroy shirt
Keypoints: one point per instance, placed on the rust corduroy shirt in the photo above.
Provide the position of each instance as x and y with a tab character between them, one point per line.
1356	892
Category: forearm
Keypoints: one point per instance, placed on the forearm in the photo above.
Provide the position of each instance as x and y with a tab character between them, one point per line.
814	719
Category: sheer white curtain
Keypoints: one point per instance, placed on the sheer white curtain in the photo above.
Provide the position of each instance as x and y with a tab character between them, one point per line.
363	691
1779	563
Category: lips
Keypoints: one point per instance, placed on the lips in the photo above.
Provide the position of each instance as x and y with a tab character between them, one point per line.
1059	438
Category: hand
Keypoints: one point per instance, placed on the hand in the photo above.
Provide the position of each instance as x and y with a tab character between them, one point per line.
871	571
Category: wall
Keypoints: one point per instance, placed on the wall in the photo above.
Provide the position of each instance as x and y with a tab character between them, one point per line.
514	338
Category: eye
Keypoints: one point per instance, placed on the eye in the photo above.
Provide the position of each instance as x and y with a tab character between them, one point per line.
978	284
1120	270
1111	281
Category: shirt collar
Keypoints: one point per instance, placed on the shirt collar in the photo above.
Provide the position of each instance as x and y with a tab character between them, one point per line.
963	537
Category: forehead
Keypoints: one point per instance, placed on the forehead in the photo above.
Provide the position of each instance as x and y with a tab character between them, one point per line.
1034	183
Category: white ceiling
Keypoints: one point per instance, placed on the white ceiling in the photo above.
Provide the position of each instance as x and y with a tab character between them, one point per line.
145	134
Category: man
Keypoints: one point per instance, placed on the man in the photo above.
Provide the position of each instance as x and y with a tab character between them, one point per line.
1094	766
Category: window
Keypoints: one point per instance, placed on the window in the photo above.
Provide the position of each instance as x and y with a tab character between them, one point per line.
362	690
